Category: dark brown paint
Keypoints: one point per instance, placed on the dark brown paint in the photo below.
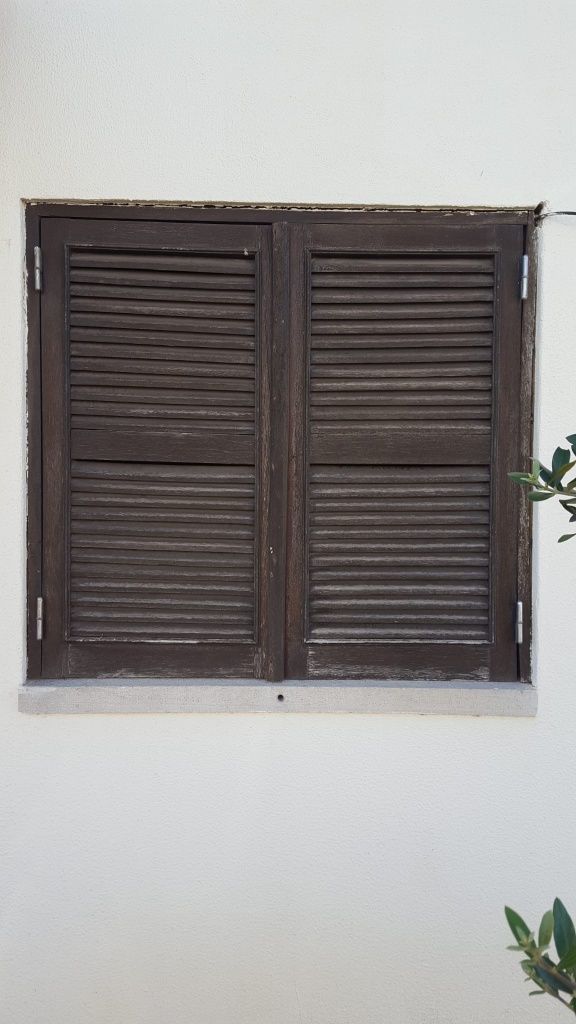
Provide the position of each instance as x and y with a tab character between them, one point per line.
289	246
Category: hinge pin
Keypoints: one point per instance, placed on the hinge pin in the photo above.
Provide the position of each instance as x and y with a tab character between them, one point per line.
37	268
39	618
524	278
519	622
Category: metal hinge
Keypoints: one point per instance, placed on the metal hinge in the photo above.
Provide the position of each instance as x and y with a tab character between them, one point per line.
519	622
39	618
524	277
37	268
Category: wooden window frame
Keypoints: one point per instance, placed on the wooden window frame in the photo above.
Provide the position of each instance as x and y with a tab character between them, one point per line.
279	219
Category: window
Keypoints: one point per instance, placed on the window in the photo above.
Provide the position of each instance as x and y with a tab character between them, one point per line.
275	444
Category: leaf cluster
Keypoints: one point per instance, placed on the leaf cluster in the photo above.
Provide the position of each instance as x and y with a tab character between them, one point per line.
547	483
555	976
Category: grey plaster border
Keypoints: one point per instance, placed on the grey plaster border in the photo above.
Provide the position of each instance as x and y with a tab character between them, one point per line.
209	696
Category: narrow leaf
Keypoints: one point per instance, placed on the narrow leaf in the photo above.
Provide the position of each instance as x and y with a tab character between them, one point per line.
546	929
521	478
568	961
560	473
545	474
518	927
564	932
566	536
559	459
539	495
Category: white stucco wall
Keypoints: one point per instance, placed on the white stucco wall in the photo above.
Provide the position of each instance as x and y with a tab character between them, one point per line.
285	869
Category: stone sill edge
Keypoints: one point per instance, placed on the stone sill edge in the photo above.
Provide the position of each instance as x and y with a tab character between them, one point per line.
107	696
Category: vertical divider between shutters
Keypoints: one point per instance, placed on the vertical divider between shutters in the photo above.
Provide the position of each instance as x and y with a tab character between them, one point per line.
34	447
273	428
296	655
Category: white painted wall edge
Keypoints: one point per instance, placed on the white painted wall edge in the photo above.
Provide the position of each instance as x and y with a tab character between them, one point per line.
352	697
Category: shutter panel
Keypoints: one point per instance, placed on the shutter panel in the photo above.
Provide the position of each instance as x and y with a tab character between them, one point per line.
154	353
406	353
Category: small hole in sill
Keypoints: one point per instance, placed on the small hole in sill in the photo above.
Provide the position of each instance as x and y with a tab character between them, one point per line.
280	696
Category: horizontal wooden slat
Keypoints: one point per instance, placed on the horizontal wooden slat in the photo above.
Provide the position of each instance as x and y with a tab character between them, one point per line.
164	410
350	297
87	389
169	294
378	443
162	261
453	374
169	445
402	264
366	363
99	589
445	633
123	357
144	574
157	322
402	325
192	310
161	339
404	279
404	336
162	278
360	313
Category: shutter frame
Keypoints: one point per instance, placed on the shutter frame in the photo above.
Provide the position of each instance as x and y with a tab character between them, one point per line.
78	654
322	657
296	222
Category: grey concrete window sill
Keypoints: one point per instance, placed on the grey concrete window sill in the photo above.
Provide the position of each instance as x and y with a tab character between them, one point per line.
107	696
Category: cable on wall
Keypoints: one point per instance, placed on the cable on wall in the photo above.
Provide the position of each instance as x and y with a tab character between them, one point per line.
555	213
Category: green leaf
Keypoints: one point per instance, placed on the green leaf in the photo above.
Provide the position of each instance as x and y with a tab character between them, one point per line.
564	932
559	459
560	473
568	961
536	467
540	495
545	474
546	929
566	536
521	478
571	439
518	927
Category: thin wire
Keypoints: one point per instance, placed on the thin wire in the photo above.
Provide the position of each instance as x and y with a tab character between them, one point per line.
556	213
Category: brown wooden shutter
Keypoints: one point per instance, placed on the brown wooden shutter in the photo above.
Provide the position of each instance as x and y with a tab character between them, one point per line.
154	363
406	373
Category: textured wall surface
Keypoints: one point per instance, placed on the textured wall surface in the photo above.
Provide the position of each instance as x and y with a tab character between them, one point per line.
285	870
